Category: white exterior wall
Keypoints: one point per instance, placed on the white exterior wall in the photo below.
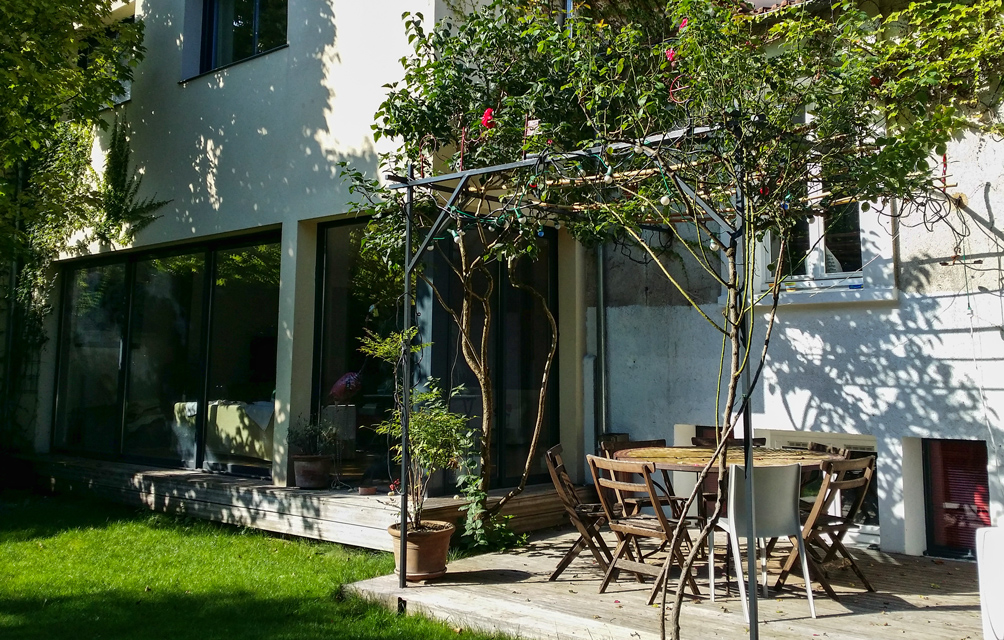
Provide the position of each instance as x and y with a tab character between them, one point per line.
901	364
255	146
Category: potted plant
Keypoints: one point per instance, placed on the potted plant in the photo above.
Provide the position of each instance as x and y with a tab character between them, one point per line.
315	442
437	440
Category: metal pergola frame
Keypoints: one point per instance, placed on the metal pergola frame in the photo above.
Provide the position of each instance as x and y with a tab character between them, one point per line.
463	179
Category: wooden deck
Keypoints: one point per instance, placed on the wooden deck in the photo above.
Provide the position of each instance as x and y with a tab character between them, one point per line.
341	516
915	598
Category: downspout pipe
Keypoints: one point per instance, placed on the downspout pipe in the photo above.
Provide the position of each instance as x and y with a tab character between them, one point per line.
600	375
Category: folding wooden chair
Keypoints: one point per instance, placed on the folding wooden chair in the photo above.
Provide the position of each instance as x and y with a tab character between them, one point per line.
630	527
824	532
669	497
608	449
587	518
823	448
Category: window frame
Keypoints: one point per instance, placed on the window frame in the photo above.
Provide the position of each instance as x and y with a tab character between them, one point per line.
873	282
208	59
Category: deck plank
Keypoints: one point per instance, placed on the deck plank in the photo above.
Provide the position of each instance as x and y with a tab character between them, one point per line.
332	515
915	597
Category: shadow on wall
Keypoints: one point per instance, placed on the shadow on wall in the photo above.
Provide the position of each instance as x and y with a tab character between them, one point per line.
250	145
923	368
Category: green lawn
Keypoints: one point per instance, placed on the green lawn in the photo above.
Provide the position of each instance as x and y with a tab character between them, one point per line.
71	568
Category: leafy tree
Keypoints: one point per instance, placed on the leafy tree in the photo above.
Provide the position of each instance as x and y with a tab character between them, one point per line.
706	121
61	65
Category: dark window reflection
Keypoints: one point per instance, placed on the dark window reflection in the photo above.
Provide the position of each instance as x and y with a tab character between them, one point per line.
239	29
242	356
88	414
358	294
164	358
842	238
519	342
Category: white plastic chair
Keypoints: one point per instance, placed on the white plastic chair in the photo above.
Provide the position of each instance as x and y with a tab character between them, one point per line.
775	503
990	562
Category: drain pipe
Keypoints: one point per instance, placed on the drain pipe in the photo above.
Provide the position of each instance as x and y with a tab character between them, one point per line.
600	375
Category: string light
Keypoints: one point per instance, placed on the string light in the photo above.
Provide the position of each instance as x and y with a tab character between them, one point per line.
664	201
714	245
609	177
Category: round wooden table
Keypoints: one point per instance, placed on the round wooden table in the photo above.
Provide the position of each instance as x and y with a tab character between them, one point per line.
696	458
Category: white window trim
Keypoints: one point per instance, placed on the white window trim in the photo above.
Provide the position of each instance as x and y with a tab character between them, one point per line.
874	283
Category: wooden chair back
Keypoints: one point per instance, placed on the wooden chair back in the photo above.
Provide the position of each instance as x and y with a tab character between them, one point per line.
562	482
699	441
822	448
608	449
840	476
616	494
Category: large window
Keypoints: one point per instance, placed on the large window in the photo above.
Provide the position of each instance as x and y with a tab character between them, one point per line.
237	29
520	338
356	295
827	246
171	357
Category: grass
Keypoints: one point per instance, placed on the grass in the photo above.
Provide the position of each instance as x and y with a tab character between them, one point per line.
73	568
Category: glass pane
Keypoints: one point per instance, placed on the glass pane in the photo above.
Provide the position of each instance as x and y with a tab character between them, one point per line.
242	356
795	252
526	340
356	392
519	341
842	226
164	363
88	413
271	24
234	31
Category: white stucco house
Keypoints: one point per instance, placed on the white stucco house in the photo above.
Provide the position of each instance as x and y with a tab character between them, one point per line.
237	312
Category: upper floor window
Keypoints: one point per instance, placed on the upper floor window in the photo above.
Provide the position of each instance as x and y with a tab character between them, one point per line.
825	246
237	29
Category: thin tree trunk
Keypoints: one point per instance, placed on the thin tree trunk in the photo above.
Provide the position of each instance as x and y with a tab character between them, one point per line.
538	426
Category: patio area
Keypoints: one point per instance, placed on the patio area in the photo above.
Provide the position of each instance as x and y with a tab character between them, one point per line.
915	597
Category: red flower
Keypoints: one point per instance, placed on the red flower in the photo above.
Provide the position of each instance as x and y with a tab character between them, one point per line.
670	54
486	119
683	24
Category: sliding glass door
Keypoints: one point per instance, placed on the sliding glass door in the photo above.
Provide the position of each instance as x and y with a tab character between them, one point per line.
164	376
94	318
171	358
242	356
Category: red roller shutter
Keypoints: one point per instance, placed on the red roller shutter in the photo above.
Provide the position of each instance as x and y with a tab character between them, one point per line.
957	494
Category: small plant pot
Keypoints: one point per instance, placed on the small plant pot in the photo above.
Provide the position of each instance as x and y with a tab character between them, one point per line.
427	549
313	472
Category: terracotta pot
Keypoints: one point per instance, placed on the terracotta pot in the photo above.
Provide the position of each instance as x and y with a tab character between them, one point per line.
312	472
427	550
